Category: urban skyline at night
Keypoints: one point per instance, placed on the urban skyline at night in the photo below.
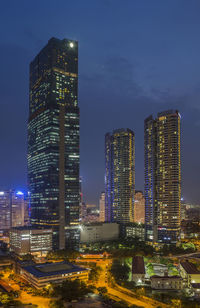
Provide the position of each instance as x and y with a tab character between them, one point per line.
99	168
145	81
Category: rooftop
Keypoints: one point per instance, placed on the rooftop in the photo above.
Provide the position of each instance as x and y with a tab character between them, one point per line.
165	277
190	268
138	265
51	269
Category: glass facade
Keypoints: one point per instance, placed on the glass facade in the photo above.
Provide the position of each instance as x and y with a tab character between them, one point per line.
53	138
120	176
162	177
13	206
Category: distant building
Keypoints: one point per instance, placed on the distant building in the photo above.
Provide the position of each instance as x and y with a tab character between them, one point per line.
166	282
120	176
139	207
13	206
29	240
41	275
190	229
133	230
138	270
92	214
102	207
189	273
83	211
162	177
183	211
97	232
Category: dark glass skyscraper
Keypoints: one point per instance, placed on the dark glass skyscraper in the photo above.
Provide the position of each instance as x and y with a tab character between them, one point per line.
53	139
120	176
162	177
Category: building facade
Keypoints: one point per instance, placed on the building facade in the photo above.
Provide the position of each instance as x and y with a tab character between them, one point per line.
120	176
138	270
139	207
166	282
13	205
162	177
41	275
97	232
27	240
53	139
102	207
133	230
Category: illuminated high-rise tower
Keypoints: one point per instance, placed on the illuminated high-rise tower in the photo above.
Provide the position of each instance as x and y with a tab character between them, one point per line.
102	207
53	139
120	176
162	177
13	206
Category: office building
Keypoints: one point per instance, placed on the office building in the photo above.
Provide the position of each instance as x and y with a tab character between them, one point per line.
139	207
120	176
13	205
41	275
102	207
162	177
98	232
132	229
29	240
53	139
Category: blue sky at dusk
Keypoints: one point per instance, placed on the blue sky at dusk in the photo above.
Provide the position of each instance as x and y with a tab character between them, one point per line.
136	58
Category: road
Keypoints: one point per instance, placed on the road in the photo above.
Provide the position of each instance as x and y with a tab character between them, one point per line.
129	299
144	300
26	298
119	293
193	255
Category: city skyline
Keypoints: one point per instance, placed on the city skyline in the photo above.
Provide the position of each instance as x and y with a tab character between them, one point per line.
118	76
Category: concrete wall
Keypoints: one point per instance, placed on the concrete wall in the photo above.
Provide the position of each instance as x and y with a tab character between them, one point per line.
92	233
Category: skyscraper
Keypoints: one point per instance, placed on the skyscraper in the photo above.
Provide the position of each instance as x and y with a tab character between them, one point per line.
120	176
139	207
53	139
102	207
12	209
162	177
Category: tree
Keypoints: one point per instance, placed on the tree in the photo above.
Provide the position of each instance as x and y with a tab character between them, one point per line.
95	274
120	304
176	303
119	271
102	290
150	269
56	304
71	290
64	254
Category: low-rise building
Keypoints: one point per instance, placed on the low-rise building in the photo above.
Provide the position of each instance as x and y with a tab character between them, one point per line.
138	270
196	289
189	273
29	240
40	275
97	232
166	282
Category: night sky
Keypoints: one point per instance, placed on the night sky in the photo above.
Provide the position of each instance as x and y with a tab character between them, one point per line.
136	58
